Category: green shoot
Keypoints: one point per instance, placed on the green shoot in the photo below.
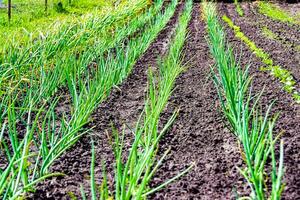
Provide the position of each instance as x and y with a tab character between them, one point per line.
283	75
48	137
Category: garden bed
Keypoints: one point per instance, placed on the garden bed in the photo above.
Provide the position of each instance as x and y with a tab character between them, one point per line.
200	138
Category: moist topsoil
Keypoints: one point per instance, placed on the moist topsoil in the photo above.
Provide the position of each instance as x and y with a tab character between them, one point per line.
198	135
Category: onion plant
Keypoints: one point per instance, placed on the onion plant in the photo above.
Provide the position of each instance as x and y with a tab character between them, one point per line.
29	155
45	54
87	92
22	162
252	127
132	176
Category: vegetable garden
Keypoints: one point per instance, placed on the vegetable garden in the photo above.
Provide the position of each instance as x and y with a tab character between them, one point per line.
149	99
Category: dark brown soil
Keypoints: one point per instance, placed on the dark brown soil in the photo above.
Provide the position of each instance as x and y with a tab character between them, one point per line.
123	106
198	135
289	111
288	34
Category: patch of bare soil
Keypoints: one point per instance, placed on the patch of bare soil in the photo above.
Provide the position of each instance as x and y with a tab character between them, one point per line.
287	32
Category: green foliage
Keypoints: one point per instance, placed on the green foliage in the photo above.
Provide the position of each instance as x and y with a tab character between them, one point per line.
132	176
29	17
247	122
276	13
59	7
45	56
48	136
283	75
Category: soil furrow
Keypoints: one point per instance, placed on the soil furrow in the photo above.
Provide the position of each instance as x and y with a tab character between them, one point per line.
198	134
251	26
123	106
289	118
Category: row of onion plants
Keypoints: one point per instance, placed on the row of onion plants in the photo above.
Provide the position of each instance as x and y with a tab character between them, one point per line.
33	135
133	174
252	126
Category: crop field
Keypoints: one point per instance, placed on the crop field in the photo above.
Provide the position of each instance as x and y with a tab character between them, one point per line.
149	99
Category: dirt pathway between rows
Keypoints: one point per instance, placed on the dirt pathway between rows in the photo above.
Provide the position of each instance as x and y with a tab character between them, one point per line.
289	120
198	134
123	106
251	25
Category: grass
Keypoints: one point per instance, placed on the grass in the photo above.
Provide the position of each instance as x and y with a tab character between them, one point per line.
274	12
252	126
283	75
132	176
47	136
